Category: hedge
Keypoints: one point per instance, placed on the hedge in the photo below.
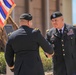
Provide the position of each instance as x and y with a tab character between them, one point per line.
47	62
2	63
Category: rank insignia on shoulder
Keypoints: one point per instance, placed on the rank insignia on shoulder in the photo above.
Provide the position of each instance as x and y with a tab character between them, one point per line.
36	29
47	30
9	33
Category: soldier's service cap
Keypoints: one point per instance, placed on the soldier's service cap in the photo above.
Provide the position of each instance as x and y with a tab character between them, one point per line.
26	16
55	15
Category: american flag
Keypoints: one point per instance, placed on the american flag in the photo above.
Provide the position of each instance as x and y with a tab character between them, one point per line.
6	7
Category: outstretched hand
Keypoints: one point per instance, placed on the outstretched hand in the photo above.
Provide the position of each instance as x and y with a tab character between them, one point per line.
49	55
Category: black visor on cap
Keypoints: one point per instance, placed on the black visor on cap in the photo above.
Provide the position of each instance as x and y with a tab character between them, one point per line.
26	16
55	15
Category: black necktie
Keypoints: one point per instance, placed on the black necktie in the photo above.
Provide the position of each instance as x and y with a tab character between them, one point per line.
60	31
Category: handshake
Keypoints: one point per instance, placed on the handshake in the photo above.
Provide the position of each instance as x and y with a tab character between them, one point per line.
49	55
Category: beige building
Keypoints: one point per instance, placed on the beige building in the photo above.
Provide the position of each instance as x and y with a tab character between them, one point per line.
41	11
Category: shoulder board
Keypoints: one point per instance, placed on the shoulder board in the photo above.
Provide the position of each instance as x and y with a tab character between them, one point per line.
47	30
9	33
36	29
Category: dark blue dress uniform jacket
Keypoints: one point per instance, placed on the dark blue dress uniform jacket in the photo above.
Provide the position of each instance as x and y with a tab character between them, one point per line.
24	43
64	58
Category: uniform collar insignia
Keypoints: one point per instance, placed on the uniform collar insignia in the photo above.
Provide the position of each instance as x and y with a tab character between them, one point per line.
56	33
52	36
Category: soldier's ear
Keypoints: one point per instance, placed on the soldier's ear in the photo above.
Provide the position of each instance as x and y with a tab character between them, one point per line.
28	22
62	19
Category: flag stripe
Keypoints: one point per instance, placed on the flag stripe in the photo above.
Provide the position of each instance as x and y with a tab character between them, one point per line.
3	8
7	4
1	23
6	7
2	19
2	13
10	1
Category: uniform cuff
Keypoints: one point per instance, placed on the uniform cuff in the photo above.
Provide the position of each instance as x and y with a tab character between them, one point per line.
12	67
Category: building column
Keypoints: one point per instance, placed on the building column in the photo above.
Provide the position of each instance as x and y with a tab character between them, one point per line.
45	15
66	9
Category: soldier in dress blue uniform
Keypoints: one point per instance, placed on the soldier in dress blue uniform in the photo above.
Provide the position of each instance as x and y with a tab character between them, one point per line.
63	39
24	43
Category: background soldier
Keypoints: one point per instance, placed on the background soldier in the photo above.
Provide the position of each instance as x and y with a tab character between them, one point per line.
25	43
63	38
